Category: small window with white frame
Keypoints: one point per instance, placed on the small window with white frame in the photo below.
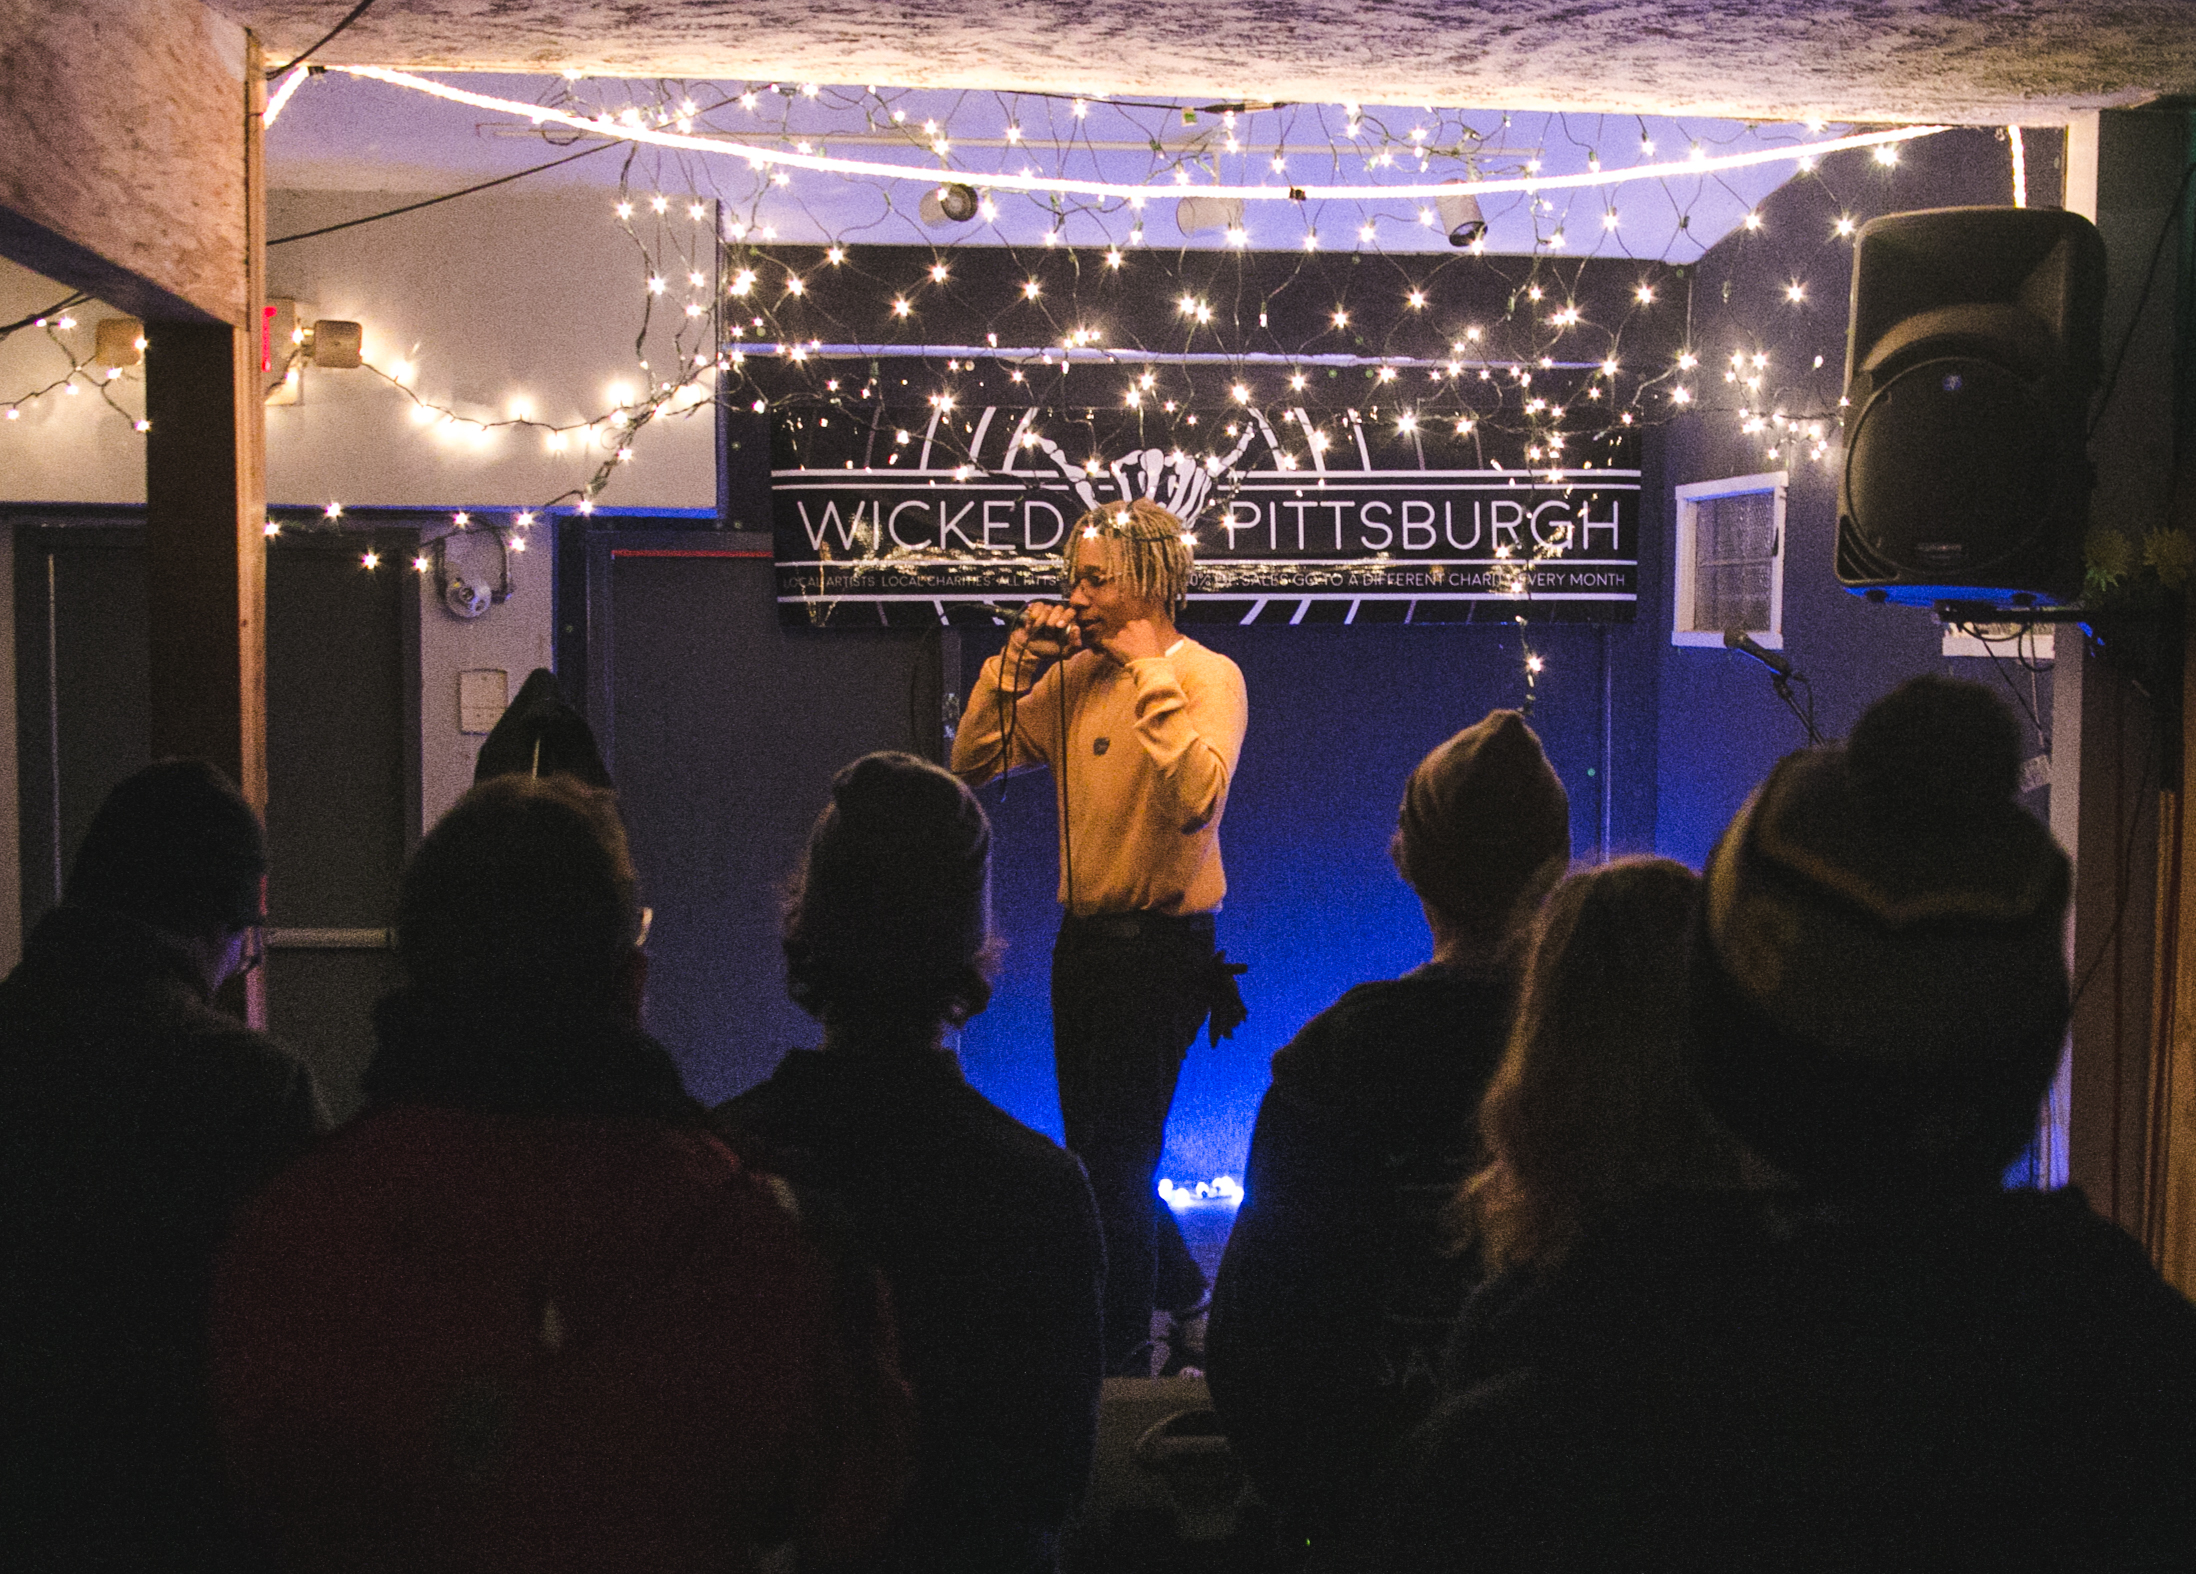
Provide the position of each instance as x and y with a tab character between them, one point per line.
1730	560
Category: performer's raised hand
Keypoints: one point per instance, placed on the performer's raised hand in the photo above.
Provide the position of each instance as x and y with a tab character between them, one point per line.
1135	638
1047	630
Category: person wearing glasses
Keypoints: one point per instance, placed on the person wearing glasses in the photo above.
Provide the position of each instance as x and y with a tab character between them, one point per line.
136	1117
1142	728
526	1312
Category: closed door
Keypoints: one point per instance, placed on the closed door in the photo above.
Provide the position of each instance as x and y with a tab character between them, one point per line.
342	772
723	731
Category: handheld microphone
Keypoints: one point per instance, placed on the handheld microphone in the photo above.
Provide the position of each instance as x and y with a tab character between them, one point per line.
1017	618
1734	639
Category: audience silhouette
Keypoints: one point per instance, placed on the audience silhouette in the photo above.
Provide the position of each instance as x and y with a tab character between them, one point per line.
525	1313
985	1230
1336	1294
1594	1103
1891	1363
136	1117
1653	1223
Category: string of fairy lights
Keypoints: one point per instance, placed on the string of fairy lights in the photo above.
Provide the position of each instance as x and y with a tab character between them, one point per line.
58	325
1079	182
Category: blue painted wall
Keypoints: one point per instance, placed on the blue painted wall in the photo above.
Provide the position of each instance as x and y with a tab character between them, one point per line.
1720	726
1339	717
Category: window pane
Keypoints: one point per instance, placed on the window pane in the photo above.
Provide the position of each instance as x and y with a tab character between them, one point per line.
1734	545
1732	596
1737	528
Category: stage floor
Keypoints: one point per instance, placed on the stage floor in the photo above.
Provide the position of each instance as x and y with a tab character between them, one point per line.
1205	1232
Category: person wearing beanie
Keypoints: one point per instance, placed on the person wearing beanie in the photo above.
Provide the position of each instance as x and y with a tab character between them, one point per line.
136	1117
526	1313
1142	729
1889	1362
1337	1291
985	1230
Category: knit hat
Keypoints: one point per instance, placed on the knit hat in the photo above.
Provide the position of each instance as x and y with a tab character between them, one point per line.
176	846
1878	976
1485	822
541	734
891	917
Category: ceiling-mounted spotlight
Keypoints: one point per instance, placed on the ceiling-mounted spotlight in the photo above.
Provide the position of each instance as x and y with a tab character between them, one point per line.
1460	216
1208	214
1192	214
950	204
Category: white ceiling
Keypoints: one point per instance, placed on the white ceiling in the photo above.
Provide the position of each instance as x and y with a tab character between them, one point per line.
1970	61
340	132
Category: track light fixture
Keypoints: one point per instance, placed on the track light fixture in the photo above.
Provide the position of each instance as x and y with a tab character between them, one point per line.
1461	218
1192	214
949	204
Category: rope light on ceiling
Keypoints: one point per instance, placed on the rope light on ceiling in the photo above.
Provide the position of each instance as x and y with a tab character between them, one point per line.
1803	154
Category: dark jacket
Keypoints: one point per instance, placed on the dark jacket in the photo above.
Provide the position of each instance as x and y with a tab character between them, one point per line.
1337	1293
986	1233
135	1119
1751	1382
527	1315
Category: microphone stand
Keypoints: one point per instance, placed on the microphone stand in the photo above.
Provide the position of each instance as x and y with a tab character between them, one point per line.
1782	675
1782	687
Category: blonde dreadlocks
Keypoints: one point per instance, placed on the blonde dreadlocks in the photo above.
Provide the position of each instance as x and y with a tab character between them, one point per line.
1155	549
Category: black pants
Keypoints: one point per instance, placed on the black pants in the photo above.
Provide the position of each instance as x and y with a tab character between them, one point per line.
1128	995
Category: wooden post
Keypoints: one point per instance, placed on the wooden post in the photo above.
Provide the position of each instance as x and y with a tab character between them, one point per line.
2169	1217
205	515
2169	1193
2116	799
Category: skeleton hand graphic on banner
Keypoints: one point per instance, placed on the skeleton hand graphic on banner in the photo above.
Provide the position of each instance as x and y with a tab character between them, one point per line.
1178	482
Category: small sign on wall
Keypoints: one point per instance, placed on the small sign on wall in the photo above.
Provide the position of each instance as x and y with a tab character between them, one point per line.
483	693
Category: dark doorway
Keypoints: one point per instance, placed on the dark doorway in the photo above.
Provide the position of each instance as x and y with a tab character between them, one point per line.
342	745
342	787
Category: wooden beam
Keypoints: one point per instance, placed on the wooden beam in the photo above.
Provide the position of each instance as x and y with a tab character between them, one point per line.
205	551
122	150
2169	1193
2169	1220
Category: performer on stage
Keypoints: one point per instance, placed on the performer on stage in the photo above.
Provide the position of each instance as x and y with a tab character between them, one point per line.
1142	728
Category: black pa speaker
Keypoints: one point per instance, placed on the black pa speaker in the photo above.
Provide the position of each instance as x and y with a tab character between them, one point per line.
1969	367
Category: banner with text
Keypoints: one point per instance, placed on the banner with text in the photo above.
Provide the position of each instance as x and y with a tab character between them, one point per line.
1346	517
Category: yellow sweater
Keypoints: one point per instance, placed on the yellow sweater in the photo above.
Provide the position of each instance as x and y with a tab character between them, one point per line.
1150	748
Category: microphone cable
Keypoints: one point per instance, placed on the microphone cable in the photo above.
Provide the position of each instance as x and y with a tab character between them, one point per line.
1060	757
1010	715
1009	709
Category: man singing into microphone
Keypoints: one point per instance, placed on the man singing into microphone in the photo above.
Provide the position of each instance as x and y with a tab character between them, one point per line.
1142	728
